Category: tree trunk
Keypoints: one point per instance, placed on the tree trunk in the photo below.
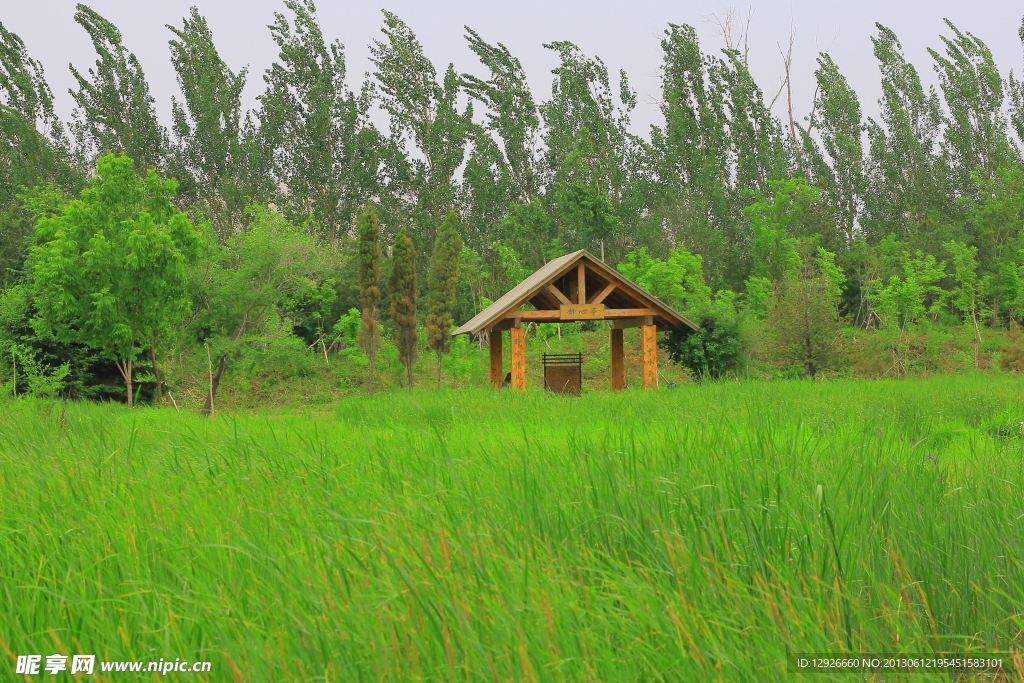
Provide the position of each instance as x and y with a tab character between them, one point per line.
222	363
995	305
125	367
373	361
156	375
438	369
408	368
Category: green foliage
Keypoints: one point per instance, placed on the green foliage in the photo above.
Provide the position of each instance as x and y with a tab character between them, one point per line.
245	287
677	280
424	113
117	113
349	326
111	268
369	288
1011	356
323	148
442	282
713	350
803	321
793	212
215	144
403	300
36	378
907	298
842	177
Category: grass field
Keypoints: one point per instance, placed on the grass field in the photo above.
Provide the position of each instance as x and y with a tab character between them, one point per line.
695	534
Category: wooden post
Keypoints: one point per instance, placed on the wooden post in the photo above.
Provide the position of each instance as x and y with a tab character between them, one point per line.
618	366
518	358
581	287
494	342
649	333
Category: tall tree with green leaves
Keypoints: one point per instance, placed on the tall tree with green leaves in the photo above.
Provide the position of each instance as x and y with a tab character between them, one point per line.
718	141
111	270
402	287
502	173
590	155
442	280
34	152
995	218
424	113
116	112
33	143
839	172
975	136
324	147
907	178
511	114
369	289
213	139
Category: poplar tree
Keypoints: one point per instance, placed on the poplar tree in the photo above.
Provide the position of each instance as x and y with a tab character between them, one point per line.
837	116
424	113
116	111
403	299
33	145
324	148
209	126
369	288
907	188
441	284
590	153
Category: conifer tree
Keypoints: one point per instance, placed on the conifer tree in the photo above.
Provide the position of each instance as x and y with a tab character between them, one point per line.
441	282
403	299
369	287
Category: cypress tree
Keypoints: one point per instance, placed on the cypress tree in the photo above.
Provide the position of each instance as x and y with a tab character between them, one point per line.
441	282
369	287
403	299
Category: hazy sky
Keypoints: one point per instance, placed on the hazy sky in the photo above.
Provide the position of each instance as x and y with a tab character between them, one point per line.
624	34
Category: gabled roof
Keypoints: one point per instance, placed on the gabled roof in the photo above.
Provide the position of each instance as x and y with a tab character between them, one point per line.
534	290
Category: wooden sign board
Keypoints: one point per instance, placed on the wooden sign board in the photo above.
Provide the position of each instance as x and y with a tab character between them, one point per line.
582	311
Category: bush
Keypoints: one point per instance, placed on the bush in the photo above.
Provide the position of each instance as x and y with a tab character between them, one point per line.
715	348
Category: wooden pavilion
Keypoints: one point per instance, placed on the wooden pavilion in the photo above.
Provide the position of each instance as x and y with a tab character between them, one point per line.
574	287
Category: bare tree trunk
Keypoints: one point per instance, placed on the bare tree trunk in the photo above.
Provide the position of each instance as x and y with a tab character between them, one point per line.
438	369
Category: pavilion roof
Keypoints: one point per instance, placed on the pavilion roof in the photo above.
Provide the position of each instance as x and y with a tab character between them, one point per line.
536	290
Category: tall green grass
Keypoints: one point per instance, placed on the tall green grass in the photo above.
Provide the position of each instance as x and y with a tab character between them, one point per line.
684	535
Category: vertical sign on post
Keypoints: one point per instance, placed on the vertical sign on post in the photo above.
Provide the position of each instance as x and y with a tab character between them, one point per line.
518	358
650	356
495	342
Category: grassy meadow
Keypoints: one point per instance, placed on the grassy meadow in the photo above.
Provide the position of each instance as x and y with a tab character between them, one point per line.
694	534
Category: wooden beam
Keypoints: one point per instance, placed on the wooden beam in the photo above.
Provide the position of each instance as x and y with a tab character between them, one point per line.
649	335
502	325
581	288
555	316
626	323
618	361
557	293
495	342
603	294
519	358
